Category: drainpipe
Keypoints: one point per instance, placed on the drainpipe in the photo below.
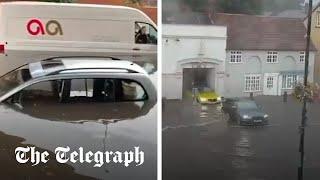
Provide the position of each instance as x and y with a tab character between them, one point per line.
194	102
304	108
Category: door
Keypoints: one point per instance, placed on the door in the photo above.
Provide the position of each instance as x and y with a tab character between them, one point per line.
197	78
146	37
270	84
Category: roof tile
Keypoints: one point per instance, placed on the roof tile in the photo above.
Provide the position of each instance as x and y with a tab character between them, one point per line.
247	32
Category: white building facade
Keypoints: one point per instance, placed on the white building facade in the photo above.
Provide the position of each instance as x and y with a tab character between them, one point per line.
189	47
235	58
265	72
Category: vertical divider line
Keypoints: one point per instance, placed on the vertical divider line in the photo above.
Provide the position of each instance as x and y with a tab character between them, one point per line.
159	90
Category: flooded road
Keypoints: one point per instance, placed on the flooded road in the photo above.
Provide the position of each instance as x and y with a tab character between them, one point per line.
198	143
93	126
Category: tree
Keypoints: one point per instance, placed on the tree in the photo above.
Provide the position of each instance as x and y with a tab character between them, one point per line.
276	6
239	6
59	1
227	6
134	2
312	92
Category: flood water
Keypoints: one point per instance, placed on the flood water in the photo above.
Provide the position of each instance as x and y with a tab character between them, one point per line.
211	147
93	126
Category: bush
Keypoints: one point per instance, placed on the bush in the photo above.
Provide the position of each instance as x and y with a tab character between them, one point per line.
312	92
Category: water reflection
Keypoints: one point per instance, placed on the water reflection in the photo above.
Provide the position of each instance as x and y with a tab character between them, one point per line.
242	150
93	126
242	146
51	110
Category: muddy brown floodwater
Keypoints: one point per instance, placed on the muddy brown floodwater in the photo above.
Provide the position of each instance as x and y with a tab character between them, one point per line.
11	169
94	126
199	143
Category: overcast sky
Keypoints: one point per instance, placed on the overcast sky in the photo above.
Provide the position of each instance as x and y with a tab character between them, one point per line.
315	2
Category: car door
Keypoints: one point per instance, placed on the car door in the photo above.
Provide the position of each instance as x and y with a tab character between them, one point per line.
140	79
227	105
233	109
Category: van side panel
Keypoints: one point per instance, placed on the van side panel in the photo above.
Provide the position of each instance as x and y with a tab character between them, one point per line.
84	30
1	25
35	31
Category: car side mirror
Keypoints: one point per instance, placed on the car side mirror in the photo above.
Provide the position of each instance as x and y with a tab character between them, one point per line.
15	100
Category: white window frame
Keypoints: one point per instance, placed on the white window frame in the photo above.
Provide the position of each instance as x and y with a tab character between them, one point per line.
235	57
318	19
272	57
270	82
289	81
252	83
302	57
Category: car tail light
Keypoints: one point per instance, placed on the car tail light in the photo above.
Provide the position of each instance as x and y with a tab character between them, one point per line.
2	49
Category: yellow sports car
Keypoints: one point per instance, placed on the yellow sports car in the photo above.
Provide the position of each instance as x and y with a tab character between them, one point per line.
208	96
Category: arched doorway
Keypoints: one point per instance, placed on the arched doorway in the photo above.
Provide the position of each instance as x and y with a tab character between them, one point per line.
198	73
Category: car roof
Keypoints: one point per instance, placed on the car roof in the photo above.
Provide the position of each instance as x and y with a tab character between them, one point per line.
237	99
86	64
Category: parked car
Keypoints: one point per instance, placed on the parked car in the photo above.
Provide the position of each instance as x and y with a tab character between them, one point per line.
244	111
88	79
206	95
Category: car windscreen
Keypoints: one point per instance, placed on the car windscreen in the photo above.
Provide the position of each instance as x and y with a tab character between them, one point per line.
14	79
204	89
246	105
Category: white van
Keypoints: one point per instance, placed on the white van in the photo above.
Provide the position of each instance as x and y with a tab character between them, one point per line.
33	31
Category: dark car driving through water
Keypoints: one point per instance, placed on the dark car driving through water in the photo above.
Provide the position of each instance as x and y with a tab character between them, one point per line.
244	111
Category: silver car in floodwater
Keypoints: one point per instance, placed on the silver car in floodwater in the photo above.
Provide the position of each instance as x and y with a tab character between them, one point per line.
107	78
